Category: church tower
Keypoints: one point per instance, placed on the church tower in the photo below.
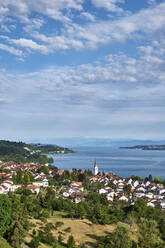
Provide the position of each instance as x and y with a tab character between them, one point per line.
96	170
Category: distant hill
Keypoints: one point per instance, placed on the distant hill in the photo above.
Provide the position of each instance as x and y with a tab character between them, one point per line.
99	142
22	152
146	147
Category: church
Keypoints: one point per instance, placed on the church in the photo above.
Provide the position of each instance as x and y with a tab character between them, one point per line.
96	170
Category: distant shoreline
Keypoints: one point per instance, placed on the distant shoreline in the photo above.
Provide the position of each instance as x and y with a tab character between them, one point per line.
146	147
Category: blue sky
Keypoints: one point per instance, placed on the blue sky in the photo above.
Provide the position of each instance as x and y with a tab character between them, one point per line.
82	68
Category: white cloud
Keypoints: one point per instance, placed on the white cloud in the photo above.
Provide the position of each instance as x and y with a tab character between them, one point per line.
11	50
147	21
119	93
24	43
34	24
88	16
71	35
152	2
4	28
22	8
110	5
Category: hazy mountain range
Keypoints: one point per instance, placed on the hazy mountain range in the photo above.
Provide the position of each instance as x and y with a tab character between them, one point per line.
72	142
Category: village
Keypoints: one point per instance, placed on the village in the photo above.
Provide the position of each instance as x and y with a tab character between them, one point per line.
112	186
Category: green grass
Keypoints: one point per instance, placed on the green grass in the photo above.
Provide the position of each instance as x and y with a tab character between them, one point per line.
59	214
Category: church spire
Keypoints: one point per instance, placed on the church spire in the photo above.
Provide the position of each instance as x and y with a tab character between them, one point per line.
96	170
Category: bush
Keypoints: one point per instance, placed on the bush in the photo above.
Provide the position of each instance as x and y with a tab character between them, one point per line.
68	229
59	224
4	244
44	220
46	238
71	242
34	243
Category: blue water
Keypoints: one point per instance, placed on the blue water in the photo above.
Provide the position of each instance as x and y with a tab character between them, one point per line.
122	162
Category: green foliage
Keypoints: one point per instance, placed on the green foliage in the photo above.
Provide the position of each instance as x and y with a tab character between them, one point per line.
112	185
68	229
34	243
21	152
19	224
139	209
150	178
158	180
82	246
127	188
139	178
44	169
59	224
46	237
60	239
71	242
120	238
5	213
4	243
23	177
149	235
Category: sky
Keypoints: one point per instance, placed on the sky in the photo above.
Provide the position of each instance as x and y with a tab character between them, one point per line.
82	68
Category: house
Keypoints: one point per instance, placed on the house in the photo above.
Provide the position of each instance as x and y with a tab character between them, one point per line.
139	195
77	200
3	189
34	188
59	172
141	189
14	187
129	181
123	198
77	186
162	204
43	183
102	191
152	203
161	191
147	183
149	195
110	196
65	195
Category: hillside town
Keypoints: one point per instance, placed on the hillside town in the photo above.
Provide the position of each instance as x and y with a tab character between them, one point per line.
112	186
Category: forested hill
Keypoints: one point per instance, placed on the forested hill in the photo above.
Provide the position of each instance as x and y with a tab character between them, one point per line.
22	152
146	147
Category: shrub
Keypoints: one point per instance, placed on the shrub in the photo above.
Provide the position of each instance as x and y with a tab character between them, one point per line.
59	223
68	229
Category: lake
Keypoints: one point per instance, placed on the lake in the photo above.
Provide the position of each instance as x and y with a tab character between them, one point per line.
123	162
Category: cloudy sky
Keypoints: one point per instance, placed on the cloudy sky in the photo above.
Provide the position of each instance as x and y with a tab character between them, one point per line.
82	68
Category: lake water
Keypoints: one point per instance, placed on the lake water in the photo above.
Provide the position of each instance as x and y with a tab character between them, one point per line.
122	162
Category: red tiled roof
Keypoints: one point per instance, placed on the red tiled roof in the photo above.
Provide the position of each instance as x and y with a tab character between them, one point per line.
32	187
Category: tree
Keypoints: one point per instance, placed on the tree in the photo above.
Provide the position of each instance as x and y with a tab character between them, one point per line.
5	213
34	243
71	242
4	244
158	180
44	169
149	235
60	238
127	188
150	178
120	238
139	209
82	246
81	177
26	179
19	224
